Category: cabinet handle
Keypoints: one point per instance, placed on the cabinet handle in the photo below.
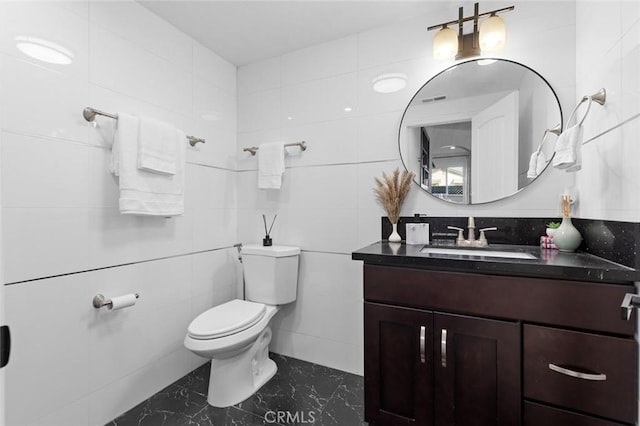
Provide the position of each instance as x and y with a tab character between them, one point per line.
443	347
577	374
423	344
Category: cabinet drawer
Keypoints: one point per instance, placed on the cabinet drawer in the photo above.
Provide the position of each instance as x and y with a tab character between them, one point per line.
586	372
574	304
536	415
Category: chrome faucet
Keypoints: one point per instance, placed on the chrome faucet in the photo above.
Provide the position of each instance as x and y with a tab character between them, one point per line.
471	235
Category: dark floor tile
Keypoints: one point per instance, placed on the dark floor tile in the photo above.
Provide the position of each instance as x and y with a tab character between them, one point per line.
231	416
168	407
198	380
299	389
346	406
301	393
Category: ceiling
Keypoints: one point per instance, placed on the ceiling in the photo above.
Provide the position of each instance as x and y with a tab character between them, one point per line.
244	32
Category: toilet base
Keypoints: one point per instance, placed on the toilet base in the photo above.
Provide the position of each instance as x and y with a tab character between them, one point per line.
235	379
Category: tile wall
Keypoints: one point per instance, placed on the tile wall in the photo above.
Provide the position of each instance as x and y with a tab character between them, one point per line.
326	205
609	182
63	238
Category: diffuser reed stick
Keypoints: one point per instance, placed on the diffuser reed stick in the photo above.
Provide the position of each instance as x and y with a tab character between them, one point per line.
566	206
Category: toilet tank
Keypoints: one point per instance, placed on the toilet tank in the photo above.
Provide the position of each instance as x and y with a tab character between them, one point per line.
270	273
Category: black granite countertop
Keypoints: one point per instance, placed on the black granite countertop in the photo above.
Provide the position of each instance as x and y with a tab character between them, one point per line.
546	264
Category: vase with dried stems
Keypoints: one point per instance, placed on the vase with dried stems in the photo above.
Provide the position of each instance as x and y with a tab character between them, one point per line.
391	191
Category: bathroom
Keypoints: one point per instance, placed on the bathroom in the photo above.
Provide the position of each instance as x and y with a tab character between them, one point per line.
64	241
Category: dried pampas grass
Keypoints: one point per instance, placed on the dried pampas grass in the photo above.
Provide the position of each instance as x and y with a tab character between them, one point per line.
391	191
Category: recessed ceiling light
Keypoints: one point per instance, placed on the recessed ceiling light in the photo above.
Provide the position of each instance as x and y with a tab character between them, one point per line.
44	50
348	109
389	83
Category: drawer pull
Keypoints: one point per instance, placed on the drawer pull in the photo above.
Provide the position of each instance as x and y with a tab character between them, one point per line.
443	347
423	344
577	374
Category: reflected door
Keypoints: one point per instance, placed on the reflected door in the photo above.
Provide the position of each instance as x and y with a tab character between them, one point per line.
494	133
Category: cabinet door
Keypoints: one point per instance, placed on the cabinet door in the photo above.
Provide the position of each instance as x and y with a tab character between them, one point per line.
398	365
477	371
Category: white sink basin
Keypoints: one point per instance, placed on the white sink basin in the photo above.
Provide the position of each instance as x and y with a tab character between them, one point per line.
477	253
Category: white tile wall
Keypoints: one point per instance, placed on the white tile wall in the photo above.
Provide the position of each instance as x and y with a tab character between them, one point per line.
62	235
326	205
610	58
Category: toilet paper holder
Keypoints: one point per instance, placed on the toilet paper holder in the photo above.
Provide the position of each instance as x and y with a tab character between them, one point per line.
100	301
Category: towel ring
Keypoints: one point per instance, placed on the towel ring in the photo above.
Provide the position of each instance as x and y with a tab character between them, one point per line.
599	97
555	130
575	110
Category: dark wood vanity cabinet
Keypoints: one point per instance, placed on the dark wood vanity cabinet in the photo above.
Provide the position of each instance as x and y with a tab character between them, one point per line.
445	348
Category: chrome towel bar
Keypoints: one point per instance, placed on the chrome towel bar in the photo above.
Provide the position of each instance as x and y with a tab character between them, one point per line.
89	114
302	144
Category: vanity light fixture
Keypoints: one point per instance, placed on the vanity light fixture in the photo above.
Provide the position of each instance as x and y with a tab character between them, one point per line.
44	50
389	83
491	36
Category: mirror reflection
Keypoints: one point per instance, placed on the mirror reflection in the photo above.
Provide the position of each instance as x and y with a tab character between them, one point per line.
476	132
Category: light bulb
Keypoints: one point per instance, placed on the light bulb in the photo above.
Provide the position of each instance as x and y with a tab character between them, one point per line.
493	33
445	44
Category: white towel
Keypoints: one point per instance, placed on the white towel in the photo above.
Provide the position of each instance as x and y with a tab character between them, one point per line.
568	154
270	165
143	192
157	146
537	163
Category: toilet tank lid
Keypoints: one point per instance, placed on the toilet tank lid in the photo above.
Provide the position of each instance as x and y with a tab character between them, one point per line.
273	251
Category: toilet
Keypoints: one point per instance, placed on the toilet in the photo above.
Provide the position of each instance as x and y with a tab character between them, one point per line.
236	334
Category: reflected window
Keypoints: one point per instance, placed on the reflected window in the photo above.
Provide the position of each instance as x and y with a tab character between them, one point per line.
449	183
449	178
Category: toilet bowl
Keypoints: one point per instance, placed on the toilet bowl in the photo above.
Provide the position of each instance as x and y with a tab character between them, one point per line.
239	352
236	334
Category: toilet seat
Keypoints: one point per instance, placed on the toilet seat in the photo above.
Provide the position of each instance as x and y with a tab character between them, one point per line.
226	319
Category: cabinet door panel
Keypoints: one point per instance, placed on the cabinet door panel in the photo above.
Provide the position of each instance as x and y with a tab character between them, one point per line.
398	373
477	371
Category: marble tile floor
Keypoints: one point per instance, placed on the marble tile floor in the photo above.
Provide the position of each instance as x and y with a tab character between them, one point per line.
301	393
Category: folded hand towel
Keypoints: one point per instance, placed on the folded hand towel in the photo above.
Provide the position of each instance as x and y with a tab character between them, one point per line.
537	163
157	146
270	165
568	149
143	192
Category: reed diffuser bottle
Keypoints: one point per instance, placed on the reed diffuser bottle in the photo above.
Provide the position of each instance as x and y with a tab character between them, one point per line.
567	237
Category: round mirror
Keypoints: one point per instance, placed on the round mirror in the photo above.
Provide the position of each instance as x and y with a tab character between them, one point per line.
480	131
